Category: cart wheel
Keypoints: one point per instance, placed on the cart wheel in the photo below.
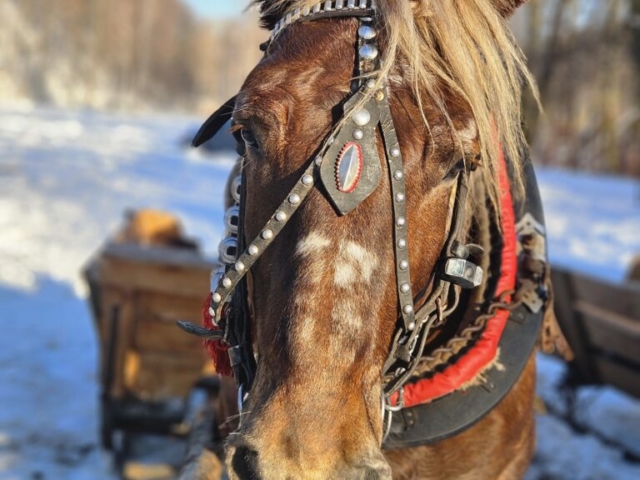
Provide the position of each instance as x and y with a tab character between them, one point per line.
106	426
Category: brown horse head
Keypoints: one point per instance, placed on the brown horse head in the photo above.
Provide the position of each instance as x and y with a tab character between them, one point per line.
323	296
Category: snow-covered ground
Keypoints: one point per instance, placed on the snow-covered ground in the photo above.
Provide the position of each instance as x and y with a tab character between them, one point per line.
65	180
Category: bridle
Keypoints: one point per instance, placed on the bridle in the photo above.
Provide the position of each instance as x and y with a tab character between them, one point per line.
348	167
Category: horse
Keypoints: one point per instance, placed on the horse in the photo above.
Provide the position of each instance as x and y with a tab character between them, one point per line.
385	277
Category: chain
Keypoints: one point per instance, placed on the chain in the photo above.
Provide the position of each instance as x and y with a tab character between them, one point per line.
443	354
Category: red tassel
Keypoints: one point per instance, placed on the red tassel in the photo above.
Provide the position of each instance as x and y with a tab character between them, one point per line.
216	348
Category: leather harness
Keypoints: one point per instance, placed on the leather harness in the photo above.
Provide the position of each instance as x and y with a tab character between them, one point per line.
349	168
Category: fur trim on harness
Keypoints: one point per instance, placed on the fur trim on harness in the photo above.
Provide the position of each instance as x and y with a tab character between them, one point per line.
216	349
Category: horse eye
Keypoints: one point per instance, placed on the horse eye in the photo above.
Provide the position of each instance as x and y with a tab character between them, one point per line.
455	170
249	138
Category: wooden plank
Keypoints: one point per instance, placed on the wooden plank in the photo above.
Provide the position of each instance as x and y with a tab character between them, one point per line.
611	332
156	326
121	344
621	299
156	334
169	279
157	376
619	375
159	255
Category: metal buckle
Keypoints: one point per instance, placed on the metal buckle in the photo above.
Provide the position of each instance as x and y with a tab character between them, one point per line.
399	406
462	272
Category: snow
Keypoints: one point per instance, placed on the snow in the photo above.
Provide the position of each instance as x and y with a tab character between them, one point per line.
592	221
65	179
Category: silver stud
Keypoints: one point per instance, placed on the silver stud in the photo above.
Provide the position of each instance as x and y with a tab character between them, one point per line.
339	4
366	32
405	288
281	216
228	250
351	4
235	188
401	221
362	117
327	6
212	312
231	219
371	83
400	197
407	309
398	175
331	140
307	180
216	297
412	326
402	243
395	152
318	160
267	234
294	199
363	4
253	250
368	52
226	282
404	265
239	266
358	134
316	7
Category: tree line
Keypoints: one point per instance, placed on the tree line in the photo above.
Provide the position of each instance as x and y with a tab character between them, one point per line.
155	54
585	55
124	53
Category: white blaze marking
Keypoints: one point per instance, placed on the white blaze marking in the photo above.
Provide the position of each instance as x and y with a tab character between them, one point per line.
312	243
354	264
316	259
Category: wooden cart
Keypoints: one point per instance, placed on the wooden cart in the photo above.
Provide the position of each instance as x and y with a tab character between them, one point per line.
601	322
148	366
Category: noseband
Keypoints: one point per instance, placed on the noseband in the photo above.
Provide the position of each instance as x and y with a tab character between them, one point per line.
348	166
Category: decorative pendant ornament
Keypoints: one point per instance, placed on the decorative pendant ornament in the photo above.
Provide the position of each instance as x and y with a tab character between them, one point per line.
349	167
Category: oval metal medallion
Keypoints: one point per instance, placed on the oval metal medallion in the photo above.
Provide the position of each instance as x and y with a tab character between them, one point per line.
349	167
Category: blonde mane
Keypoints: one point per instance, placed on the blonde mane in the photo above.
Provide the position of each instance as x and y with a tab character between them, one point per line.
467	47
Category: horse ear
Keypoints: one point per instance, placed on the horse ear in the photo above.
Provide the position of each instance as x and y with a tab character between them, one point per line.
507	7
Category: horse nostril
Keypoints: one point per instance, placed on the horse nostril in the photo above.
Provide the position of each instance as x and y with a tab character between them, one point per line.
245	464
377	470
373	474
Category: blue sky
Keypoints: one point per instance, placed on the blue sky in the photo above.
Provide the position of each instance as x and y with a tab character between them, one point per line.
218	8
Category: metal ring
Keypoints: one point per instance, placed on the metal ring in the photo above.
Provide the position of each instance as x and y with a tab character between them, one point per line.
240	399
399	406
